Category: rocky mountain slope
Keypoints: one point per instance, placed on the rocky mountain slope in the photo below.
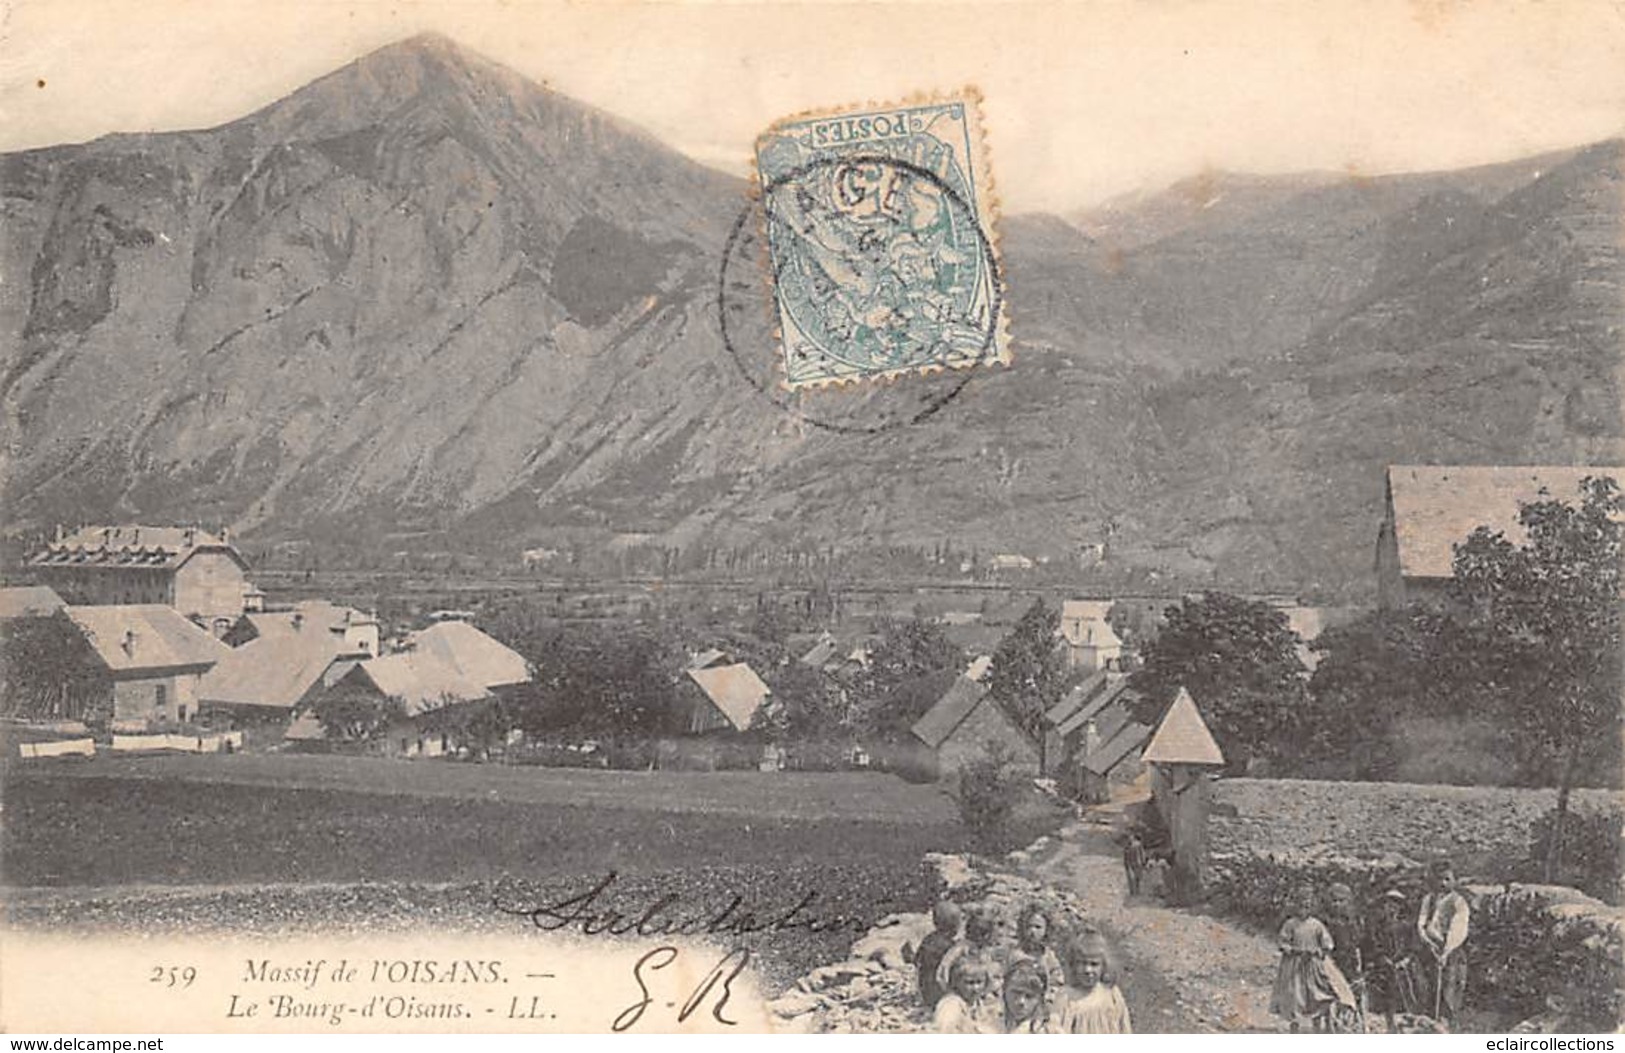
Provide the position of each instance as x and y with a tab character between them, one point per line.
427	301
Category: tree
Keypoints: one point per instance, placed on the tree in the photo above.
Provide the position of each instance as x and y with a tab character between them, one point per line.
1029	674
49	671
1239	660
610	680
911	657
989	788
1543	618
354	714
804	706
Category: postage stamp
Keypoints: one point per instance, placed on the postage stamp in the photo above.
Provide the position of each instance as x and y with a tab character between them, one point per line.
880	237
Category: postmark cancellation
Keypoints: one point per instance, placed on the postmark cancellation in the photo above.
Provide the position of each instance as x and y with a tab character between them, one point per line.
880	230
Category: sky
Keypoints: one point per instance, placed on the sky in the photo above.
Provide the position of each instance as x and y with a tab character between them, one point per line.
1084	101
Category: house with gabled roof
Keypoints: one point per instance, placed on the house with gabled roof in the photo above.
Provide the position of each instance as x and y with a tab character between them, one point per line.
962	723
283	659
422	683
29	601
724	697
1183	757
472	653
1430	509
155	658
200	574
1093	736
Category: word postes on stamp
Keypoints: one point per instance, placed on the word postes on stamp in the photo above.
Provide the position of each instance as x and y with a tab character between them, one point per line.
879	229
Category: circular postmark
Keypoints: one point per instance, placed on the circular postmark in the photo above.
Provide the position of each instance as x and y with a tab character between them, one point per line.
843	255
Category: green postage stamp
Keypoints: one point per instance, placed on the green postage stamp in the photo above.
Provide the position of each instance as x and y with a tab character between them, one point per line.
880	230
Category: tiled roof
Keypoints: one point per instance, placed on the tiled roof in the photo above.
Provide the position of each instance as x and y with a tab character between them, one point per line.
1074	699
735	690
1183	737
421	681
472	653
132	547
133	638
275	669
1114	696
1119	744
23	601
1437	506
949	711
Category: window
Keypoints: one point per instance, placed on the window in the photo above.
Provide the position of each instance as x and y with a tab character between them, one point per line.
180	714
160	696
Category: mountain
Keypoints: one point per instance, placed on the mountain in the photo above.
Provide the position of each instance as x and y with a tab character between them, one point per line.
424	302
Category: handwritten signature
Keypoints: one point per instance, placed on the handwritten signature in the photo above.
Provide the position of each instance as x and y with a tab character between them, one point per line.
724	972
591	913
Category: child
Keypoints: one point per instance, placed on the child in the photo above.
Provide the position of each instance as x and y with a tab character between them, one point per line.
1135	858
1033	934
1093	1005
980	928
969	1007
946	917
1308	984
1026	999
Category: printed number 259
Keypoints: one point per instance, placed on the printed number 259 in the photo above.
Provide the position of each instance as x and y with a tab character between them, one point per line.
173	975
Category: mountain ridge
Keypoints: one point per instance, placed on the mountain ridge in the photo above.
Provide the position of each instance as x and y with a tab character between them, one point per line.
425	296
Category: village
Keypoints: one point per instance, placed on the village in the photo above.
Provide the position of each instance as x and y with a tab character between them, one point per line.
135	640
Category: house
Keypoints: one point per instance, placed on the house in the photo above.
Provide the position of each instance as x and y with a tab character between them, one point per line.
471	653
29	601
421	682
1429	509
155	657
1310	622
964	722
727	699
1010	561
1092	737
1091	643
1182	756
199	574
281	658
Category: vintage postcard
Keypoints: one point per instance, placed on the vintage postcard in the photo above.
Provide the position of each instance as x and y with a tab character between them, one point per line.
529	518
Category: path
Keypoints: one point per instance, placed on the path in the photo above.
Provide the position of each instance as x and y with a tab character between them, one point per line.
1184	971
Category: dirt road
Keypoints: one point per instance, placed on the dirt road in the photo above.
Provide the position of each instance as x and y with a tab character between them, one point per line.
1184	971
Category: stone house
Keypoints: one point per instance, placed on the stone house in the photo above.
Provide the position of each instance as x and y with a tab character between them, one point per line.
155	657
964	722
199	574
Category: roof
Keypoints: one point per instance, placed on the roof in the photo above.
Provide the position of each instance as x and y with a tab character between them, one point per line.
735	690
1090	634
27	601
1118	745
1095	708
1073	699
472	653
939	722
306	616
1310	622
163	548
979	667
709	657
1435	507
1183	737
820	653
146	636
1085	610
276	668
421	681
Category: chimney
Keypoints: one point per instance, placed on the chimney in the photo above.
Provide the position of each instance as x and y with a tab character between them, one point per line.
297	620
225	535
135	535
60	534
129	642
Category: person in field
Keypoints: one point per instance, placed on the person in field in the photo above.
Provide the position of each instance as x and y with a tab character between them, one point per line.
969	1007
1026	998
1035	934
1092	1004
946	917
1443	923
1397	976
1308	983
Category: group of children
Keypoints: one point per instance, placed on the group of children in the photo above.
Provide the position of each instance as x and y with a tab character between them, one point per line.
973	988
1408	960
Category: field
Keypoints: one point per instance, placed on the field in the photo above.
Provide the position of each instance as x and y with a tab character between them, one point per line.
269	844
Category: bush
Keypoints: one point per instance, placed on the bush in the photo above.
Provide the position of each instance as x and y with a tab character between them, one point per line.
988	791
1523	956
1591	851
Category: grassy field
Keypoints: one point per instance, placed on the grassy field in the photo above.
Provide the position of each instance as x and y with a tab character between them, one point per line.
281	843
